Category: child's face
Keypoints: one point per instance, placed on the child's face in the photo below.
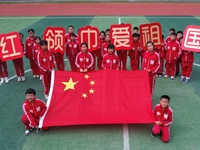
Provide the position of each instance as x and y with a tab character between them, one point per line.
173	37
170	32
136	31
31	34
102	36
179	35
135	38
108	32
110	50
37	41
164	102
72	38
30	97
70	29
21	37
108	38
44	47
84	48
150	47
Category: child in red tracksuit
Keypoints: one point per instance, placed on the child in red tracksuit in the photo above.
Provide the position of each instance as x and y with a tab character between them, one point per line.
134	53
84	59
72	49
98	54
3	72
104	48
19	64
164	118
29	51
46	65
151	63
172	54
110	60
33	110
36	49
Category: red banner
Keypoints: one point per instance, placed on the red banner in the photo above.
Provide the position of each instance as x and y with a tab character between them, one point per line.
101	97
10	46
55	36
151	32
191	38
90	35
121	36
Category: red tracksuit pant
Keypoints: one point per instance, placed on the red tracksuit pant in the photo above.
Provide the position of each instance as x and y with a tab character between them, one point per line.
59	58
72	64
152	81
122	54
134	62
178	62
99	62
3	69
160	70
165	132
170	69
46	81
186	69
34	67
19	66
26	122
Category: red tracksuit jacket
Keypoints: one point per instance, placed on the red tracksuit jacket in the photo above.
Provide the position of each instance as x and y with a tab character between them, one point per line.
33	111
104	49
84	60
45	61
29	47
164	115
136	49
173	50
151	61
67	37
110	62
161	50
72	48
36	49
187	56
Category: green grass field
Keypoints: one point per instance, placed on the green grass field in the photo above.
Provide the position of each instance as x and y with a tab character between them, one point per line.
185	99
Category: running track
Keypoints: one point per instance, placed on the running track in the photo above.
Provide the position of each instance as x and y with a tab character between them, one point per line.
100	9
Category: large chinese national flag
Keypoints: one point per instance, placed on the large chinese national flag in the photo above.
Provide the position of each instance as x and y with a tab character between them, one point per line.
101	97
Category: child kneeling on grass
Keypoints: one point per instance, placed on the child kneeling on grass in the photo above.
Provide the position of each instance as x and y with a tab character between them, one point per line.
164	117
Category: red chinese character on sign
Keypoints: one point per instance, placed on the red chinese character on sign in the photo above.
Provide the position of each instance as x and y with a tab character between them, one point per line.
10	46
121	36
191	38
55	36
151	32
90	35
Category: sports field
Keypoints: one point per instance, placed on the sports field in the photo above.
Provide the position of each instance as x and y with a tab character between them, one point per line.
185	98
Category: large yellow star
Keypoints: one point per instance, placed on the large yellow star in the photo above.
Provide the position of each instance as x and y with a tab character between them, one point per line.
92	82
91	91
70	84
84	95
86	76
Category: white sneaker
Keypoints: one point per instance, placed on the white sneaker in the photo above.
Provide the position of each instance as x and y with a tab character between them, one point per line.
28	132
19	79
2	80
165	76
172	77
46	97
41	77
23	79
34	76
37	76
6	79
182	78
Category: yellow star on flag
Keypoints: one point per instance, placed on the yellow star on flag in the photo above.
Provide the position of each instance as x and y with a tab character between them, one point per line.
91	91
70	84
86	76
84	95
92	82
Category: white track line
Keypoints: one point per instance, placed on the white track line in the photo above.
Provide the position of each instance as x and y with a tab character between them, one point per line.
196	64
126	137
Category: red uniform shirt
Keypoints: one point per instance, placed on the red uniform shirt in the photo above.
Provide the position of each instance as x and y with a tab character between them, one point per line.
36	49
164	115
173	50
72	48
45	61
33	111
187	56
84	60
29	47
104	48
136	49
110	62
151	61
161	50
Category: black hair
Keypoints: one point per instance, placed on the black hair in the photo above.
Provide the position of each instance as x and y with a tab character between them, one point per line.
165	97
21	34
173	33
72	34
136	35
172	29
29	30
43	42
102	32
30	91
150	42
84	43
135	28
180	32
37	37
111	46
163	36
107	30
70	26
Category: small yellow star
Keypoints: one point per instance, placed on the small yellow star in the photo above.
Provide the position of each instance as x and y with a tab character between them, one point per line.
86	76
70	84
92	82
91	91
84	95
